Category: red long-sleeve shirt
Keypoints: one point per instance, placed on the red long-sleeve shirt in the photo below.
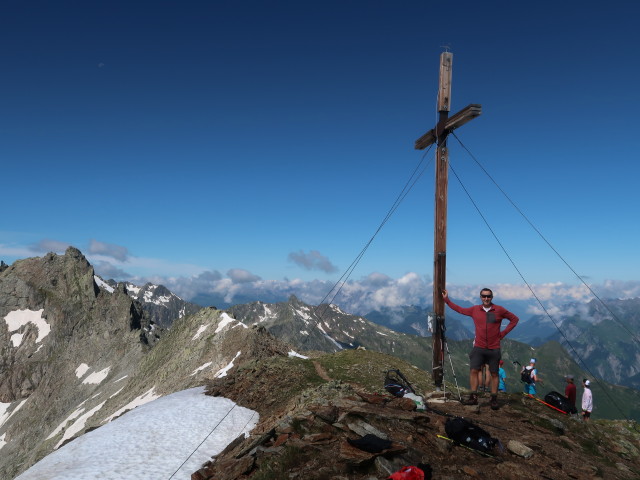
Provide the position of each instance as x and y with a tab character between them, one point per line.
488	334
570	393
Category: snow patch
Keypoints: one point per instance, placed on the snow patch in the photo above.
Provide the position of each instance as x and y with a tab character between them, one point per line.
333	341
296	354
151	432
199	332
111	396
146	397
102	284
81	370
201	367
4	415
75	414
97	377
18	318
16	339
223	371
304	315
78	425
226	319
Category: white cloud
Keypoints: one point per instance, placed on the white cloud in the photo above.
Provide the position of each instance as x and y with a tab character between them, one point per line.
20	252
48	245
145	268
313	260
108	270
239	275
117	252
377	279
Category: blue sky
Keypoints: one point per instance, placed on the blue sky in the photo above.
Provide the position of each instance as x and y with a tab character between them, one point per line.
257	146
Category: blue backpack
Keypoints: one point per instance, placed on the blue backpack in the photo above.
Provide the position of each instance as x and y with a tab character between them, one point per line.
396	384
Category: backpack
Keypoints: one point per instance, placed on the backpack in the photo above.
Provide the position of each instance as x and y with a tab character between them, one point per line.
560	402
407	473
525	375
396	384
463	432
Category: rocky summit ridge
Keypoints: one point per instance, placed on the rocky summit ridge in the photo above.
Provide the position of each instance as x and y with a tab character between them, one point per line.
311	418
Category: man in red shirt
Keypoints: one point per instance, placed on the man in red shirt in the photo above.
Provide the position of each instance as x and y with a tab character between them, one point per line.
570	391
487	319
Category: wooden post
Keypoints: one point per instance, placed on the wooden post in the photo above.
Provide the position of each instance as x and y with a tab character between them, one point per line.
439	135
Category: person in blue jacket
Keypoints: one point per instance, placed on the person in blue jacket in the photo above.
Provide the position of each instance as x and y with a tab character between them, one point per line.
502	376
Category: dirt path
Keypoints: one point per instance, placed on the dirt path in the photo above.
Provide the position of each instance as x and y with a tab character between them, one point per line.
321	371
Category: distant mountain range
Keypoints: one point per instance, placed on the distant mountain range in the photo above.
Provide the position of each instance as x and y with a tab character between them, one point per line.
601	342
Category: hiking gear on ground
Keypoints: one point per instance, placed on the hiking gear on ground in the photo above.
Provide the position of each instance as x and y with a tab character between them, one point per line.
559	401
419	401
472	400
407	473
525	375
397	384
544	403
494	403
464	432
464	446
370	443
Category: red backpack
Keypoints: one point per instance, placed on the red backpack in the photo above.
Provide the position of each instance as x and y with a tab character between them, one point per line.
407	473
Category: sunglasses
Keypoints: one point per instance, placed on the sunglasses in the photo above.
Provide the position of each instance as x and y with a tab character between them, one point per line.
486	296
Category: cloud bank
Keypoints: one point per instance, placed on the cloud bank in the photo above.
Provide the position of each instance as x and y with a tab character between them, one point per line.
359	296
371	292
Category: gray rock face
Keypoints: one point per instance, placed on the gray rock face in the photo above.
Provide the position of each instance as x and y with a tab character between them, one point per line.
54	318
75	352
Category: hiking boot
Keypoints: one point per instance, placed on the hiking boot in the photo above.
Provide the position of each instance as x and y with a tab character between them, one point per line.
493	403
472	400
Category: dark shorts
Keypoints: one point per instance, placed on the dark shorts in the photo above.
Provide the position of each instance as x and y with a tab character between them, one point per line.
480	356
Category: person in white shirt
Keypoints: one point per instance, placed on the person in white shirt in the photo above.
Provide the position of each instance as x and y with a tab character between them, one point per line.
587	400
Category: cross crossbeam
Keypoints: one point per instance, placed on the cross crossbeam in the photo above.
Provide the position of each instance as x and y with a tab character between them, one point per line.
465	115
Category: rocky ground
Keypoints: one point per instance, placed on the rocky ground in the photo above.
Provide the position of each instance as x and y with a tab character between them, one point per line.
311	408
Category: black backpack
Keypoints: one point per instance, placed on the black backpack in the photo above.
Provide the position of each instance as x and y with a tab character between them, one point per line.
396	384
560	402
525	375
463	432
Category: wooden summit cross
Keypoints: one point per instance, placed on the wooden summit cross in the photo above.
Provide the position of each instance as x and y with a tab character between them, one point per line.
439	135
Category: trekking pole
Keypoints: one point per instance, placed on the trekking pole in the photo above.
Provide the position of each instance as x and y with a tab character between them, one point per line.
446	345
413	390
